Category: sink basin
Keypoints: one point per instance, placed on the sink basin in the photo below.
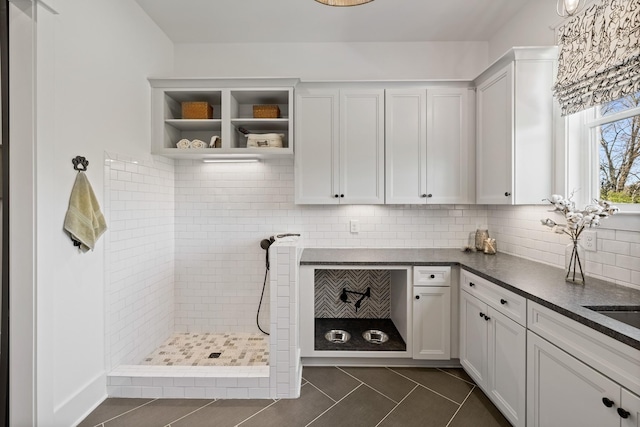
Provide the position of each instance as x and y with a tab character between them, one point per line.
625	314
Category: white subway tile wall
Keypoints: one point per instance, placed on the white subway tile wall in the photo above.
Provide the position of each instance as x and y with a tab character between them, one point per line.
224	210
189	382
518	231
139	277
284	360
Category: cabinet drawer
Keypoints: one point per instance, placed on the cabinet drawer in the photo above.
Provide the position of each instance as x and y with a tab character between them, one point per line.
431	276
506	302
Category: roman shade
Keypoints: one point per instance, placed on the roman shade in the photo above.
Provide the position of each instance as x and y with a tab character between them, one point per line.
599	55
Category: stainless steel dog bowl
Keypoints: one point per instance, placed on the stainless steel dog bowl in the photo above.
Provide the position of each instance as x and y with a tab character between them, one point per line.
374	336
337	336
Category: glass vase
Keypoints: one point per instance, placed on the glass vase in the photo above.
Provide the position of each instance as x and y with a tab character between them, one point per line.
481	235
573	259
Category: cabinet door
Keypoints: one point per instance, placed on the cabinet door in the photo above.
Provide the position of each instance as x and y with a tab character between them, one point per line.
448	146
494	151
317	152
562	391
534	131
431	323
406	146
473	337
631	404
362	146
506	374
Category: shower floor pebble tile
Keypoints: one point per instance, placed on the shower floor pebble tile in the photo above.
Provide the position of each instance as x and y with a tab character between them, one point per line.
194	349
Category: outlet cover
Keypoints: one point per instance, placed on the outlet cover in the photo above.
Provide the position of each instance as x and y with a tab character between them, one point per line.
354	226
589	241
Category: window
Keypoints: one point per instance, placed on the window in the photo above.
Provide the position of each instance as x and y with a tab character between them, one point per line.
602	159
610	163
617	133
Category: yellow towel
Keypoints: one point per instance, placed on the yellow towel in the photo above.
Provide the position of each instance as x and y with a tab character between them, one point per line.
84	222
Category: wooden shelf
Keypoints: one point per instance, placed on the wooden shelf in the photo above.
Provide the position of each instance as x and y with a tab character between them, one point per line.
262	124
195	124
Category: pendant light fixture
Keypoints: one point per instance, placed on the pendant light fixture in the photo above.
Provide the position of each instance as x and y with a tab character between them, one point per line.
567	7
342	3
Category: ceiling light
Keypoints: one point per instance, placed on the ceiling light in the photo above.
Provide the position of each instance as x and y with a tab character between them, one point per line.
343	2
230	160
567	7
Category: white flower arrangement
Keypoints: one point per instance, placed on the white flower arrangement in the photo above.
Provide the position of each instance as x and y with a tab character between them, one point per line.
578	220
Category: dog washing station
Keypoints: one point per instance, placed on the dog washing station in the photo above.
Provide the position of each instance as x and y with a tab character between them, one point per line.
359	319
372	315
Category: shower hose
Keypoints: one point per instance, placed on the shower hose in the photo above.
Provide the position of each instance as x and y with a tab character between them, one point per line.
264	245
264	284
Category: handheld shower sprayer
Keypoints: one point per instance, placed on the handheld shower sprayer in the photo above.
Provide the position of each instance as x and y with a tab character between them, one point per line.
266	244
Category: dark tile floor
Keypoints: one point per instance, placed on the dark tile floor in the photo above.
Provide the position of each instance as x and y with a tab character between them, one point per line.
330	396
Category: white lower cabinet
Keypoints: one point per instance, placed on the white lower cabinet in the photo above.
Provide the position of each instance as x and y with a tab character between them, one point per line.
431	323
493	353
563	391
474	333
507	366
629	409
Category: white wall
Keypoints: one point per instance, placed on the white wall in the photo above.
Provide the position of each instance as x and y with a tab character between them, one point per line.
532	26
518	231
21	215
334	61
92	62
224	210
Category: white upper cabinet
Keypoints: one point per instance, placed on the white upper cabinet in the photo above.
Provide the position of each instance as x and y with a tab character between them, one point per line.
317	157
362	146
232	102
515	128
494	149
429	146
450	146
340	158
406	139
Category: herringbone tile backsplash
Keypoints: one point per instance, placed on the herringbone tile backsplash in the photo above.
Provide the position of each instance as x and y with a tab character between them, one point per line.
328	287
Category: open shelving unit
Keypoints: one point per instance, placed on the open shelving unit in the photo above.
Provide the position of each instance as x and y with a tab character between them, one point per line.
232	101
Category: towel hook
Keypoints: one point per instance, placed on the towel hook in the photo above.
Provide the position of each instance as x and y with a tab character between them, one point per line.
80	163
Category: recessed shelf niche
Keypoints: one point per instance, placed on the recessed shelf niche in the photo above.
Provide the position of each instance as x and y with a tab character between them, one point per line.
232	101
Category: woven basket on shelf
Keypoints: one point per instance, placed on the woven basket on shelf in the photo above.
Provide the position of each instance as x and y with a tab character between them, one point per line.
197	110
266	111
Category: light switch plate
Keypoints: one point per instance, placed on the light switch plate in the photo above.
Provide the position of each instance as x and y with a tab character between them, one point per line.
589	241
354	226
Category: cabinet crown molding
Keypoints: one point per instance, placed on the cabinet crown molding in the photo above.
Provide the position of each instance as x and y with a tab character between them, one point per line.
519	53
221	82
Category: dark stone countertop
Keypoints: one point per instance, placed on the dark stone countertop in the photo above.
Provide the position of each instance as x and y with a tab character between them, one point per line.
537	282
